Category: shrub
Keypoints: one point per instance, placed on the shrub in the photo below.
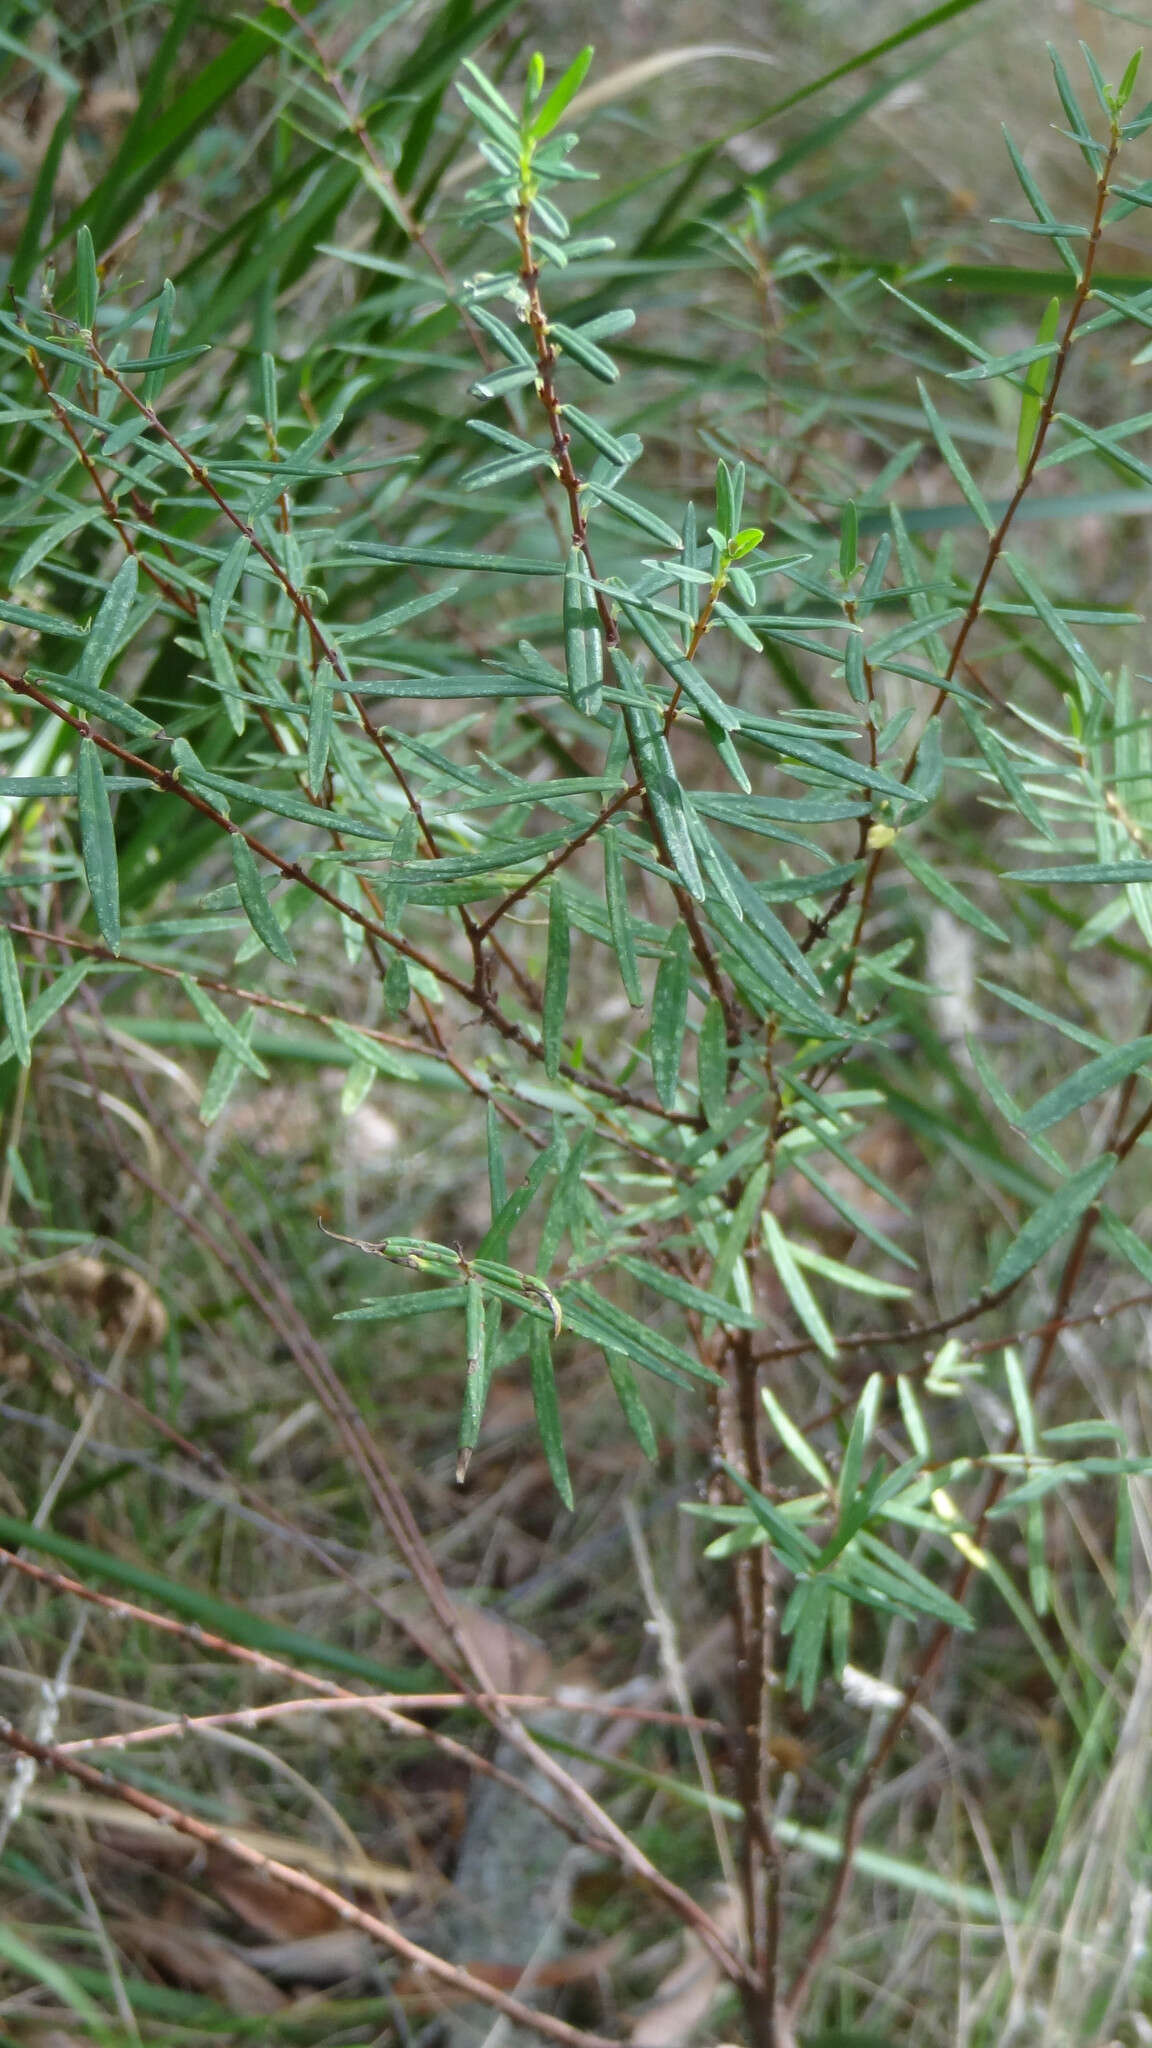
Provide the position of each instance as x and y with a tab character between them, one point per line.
381	685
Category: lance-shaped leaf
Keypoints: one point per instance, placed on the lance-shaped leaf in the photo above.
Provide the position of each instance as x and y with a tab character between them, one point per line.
561	96
1036	380
556	980
98	841
956	463
548	1408
1051	1220
257	908
44	1006
1086	1084
796	1287
226	1071
223	1030
108	625
657	770
583	638
87	286
677	665
619	917
946	893
632	1407
479	1333
712	1061
669	1014
320	726
158	346
12	1000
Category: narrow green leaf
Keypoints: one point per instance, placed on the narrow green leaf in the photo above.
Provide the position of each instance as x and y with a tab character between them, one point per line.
98	841
632	1407
796	1287
226	1071
556	979
575	342
1086	1084
636	515
955	461
1021	1403
1061	632
1036	381
1086	871
655	766
853	1278
478	1359
619	918
683	672
547	1408
257	909
807	1621
736	1233
497	1177
40	621
1051	1220
561	95
1074	112
849	540
44	1006
108	625
397	986
947	894
1127	84
227	578
12	999
87	283
669	1014
793	1439
320	726
913	1415
583	640
223	1030
588	1314
859	1437
712	1061
53	1977
158	346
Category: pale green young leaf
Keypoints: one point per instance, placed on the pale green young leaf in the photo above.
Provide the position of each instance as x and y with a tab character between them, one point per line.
1036	382
794	1440
796	1287
853	1278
